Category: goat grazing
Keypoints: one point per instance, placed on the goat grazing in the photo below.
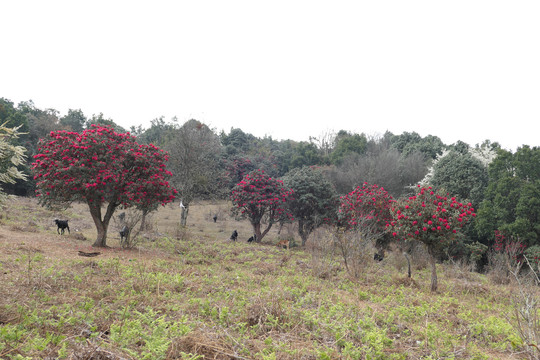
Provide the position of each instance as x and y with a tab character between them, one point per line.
62	225
234	235
215	218
124	233
253	238
283	243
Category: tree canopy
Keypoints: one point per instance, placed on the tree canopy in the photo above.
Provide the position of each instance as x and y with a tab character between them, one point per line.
512	196
313	201
100	167
11	157
432	218
260	198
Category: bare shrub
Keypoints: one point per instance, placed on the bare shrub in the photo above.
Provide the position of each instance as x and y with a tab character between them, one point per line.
267	314
395	258
26	228
356	249
93	352
130	218
220	213
205	343
288	229
502	264
183	234
460	269
77	236
419	256
323	252
525	304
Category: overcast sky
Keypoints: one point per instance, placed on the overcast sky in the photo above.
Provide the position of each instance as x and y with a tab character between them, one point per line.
461	70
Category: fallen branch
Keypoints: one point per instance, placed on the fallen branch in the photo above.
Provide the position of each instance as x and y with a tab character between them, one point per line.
88	254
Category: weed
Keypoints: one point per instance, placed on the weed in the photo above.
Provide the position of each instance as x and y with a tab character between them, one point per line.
186	294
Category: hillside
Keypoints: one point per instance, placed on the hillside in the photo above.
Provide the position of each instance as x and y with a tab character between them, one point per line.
193	294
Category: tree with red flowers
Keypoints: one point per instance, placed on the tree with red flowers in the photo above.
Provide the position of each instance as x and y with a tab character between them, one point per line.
367	204
101	167
259	198
431	218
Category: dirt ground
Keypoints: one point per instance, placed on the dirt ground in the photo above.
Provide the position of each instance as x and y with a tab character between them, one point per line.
24	224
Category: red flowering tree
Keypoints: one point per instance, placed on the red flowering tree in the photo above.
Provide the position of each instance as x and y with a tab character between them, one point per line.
367	204
237	168
258	197
365	211
431	218
101	168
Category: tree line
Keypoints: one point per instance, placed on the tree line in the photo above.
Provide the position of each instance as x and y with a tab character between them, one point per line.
502	187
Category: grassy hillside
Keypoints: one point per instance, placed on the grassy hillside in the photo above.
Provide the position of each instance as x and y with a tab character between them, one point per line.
193	294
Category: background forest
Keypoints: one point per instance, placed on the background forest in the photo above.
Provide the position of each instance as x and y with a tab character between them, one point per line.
503	187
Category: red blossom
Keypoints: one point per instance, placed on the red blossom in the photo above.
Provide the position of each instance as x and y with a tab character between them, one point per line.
368	202
94	166
437	222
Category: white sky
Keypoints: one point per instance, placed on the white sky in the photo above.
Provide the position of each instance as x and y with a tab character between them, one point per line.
461	70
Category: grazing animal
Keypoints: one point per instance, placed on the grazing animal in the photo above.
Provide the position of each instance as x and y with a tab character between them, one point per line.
62	225
234	235
124	233
378	257
253	238
282	243
215	218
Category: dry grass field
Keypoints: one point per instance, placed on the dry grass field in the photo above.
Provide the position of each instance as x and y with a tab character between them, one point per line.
193	294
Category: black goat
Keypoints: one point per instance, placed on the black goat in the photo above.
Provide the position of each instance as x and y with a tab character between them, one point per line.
378	257
234	235
124	233
62	225
215	218
253	238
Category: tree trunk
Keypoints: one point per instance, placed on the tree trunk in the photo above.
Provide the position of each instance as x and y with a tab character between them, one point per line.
408	264
184	215
304	234
102	225
143	221
433	271
257	231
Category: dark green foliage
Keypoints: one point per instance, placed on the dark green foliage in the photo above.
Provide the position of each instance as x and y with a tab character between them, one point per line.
407	143
12	116
462	175
512	198
237	142
346	144
533	256
159	132
75	120
40	124
313	202
102	121
292	154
